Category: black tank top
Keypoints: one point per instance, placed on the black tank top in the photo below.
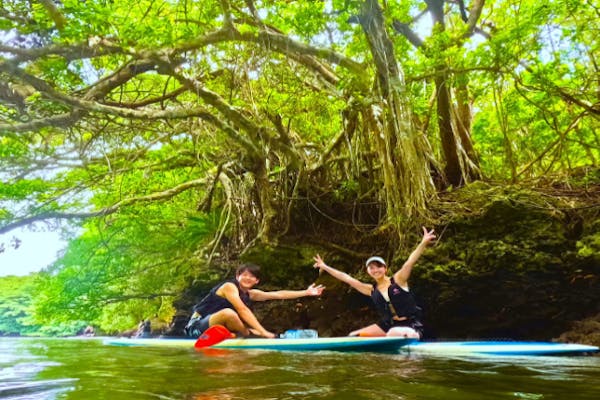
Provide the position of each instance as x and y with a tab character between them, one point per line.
212	302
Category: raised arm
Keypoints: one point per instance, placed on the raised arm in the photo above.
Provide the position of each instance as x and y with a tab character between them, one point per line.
362	287
231	293
312	290
402	275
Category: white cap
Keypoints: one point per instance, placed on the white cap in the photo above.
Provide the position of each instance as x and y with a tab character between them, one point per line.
376	258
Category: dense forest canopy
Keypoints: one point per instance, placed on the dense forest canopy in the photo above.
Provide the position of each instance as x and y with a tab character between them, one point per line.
167	133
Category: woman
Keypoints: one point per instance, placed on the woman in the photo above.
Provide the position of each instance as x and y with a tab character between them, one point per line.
391	296
230	304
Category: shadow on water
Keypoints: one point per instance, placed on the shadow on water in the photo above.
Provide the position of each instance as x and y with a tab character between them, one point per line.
86	369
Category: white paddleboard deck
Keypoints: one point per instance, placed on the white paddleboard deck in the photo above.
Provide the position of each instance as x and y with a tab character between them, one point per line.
494	348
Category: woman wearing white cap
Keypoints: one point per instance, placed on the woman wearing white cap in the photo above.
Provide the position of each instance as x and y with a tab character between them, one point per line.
391	296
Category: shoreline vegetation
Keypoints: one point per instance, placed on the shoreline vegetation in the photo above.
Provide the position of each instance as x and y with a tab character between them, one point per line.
529	261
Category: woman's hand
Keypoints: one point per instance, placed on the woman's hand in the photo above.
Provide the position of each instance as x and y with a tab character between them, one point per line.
319	263
428	236
314	290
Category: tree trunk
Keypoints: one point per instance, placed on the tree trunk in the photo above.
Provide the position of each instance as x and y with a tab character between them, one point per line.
406	177
452	169
461	163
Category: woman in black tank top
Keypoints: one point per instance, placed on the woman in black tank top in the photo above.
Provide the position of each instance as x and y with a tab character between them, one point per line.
396	306
230	304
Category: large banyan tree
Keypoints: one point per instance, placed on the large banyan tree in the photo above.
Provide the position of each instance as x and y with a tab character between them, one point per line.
172	129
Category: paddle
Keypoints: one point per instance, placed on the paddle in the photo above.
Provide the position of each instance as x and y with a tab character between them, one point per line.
213	335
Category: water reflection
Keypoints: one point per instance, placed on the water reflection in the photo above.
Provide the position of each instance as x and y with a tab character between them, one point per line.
37	369
19	369
48	389
213	395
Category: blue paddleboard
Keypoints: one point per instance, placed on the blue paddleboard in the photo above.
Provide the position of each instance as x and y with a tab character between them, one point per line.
346	343
377	344
506	348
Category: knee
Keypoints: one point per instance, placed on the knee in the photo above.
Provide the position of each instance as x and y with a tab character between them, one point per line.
413	335
229	314
403	332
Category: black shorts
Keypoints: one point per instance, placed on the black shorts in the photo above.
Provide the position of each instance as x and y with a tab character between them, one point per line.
196	326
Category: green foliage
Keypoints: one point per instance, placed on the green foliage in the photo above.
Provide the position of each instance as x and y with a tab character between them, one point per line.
11	148
589	246
283	108
15	299
113	276
17	295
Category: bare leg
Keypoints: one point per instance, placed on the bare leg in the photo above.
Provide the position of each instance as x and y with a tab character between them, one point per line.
253	332
230	319
371	330
403	331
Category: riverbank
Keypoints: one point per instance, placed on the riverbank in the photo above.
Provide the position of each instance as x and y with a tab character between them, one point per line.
510	263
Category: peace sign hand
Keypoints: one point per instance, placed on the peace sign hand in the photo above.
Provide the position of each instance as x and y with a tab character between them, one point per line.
428	236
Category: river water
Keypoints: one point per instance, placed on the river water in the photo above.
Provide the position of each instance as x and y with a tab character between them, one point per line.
37	369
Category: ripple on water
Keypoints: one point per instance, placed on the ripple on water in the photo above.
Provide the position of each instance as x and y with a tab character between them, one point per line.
37	390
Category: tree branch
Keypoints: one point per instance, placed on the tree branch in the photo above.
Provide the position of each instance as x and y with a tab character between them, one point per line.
166	194
272	40
59	19
408	33
61	120
149	296
100	47
474	14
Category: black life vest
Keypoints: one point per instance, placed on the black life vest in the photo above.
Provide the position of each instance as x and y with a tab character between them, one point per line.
403	303
212	302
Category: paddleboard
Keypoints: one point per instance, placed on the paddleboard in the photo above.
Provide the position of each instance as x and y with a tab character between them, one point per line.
371	344
495	348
